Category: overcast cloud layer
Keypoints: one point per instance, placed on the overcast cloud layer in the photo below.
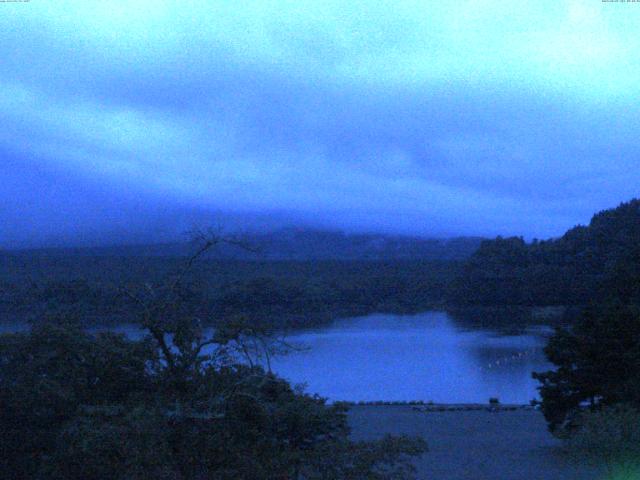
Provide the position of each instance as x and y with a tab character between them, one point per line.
125	121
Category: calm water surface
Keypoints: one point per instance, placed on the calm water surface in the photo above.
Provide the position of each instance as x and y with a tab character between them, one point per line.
429	356
415	357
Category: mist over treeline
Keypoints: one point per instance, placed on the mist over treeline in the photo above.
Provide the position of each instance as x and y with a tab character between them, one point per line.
285	244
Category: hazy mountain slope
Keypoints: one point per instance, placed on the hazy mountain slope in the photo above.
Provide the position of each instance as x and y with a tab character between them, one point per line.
300	244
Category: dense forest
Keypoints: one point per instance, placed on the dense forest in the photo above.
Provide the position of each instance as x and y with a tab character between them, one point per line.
592	396
292	293
297	244
291	277
587	264
283	282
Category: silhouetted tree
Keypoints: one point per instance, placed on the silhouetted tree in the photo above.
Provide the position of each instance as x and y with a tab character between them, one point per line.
179	404
598	364
598	262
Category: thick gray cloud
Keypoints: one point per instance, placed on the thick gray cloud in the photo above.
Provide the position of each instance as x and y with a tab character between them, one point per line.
129	121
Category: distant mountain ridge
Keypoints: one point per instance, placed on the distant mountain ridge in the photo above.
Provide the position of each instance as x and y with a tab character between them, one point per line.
298	244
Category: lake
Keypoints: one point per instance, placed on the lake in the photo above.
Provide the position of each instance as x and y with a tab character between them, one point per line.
427	357
430	356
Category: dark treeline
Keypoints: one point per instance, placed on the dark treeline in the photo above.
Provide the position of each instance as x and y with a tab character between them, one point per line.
587	264
293	293
294	244
295	277
592	396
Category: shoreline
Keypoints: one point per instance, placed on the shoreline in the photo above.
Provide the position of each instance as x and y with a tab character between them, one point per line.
421	406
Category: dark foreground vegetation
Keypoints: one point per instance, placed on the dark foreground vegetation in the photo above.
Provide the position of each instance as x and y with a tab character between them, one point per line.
592	398
598	360
77	406
176	405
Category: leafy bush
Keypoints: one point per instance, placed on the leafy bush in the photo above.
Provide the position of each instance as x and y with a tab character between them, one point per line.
598	364
80	406
180	404
609	437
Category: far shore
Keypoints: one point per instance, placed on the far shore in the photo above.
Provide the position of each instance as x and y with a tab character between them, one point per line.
422	406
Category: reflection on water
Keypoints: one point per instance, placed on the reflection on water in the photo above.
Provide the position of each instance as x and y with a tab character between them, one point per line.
416	357
512	320
429	356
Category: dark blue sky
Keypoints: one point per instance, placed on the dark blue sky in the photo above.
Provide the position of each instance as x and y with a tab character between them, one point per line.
131	121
